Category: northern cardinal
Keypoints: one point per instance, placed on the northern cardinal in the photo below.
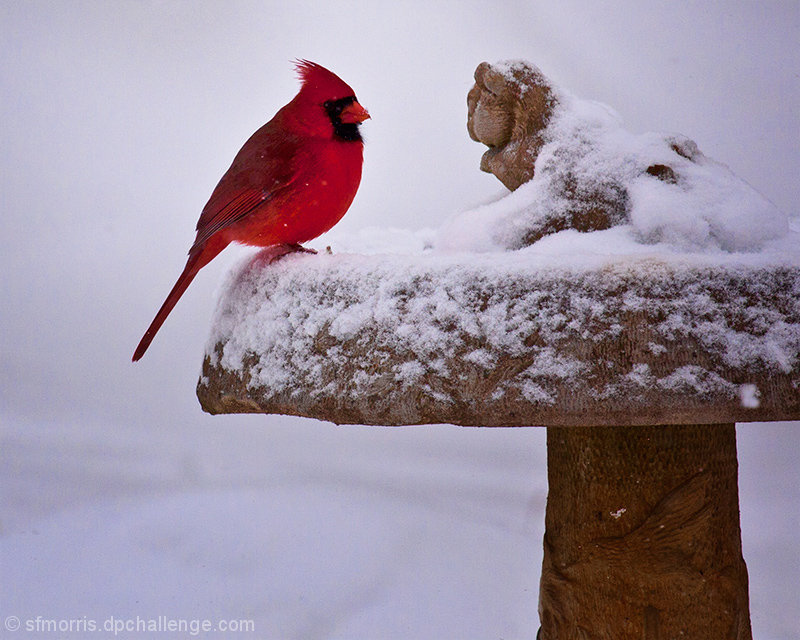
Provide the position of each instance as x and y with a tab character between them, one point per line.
291	181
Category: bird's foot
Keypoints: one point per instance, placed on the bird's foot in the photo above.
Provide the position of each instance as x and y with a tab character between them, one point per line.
298	247
278	251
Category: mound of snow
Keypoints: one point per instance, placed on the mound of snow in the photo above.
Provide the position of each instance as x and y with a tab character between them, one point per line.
659	185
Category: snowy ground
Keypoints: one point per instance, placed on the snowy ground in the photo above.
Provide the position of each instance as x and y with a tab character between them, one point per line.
315	531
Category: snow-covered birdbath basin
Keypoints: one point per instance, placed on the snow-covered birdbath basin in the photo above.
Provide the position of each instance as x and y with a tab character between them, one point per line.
520	339
629	285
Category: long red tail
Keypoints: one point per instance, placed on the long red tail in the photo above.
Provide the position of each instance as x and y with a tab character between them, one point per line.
189	272
196	261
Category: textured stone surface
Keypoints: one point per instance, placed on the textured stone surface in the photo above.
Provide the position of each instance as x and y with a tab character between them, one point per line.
642	535
509	107
643	342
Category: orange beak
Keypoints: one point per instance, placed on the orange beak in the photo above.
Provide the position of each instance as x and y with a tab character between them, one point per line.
354	113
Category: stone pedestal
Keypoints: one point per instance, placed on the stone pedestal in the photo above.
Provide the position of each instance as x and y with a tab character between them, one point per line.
642	535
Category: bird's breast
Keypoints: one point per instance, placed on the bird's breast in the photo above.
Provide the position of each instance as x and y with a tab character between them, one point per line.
325	182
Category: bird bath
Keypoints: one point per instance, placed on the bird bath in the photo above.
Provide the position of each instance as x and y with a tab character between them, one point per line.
638	363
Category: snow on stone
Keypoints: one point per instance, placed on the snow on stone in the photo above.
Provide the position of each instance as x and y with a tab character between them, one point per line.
748	394
707	207
466	291
285	323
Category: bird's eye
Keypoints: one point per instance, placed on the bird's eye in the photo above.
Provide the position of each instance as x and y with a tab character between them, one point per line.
335	107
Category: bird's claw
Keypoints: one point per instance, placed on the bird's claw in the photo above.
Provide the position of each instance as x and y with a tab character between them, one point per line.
278	251
298	247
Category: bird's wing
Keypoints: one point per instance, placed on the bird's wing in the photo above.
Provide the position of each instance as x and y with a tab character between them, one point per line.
264	166
245	187
225	209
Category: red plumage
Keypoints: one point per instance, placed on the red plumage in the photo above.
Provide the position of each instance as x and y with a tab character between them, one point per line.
291	181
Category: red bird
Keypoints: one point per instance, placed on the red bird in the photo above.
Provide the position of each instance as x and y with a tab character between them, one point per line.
291	181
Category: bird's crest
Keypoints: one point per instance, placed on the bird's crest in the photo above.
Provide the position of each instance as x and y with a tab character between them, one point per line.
317	79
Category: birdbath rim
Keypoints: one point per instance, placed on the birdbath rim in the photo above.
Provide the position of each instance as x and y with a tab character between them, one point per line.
513	339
